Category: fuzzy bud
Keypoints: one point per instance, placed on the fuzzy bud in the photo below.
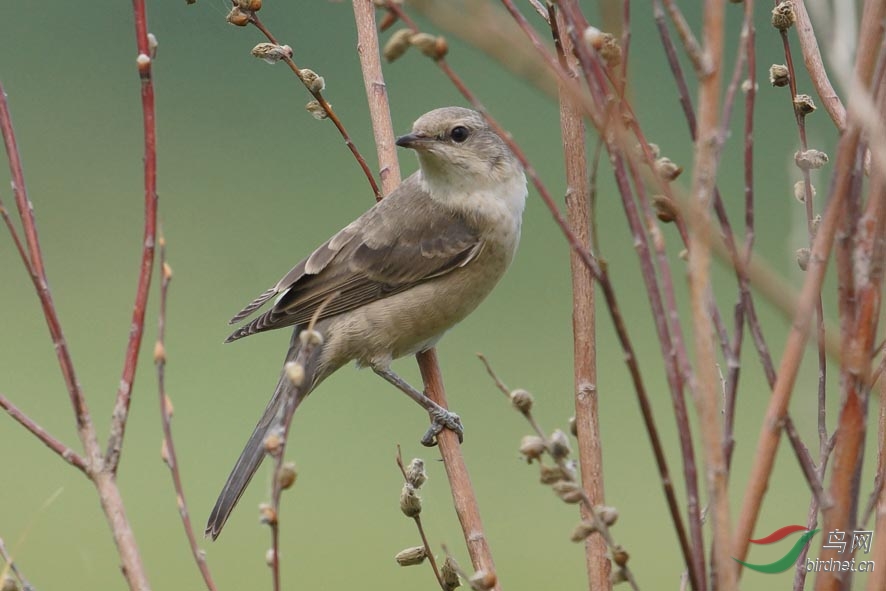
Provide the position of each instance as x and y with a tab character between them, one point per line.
582	531
569	492
317	110
410	502
620	556
532	447
159	352
552	474
164	453
559	445
312	80
287	475
267	514
482	580
800	191
606	514
429	45
667	169
784	15
152	45
816	222
237	17
295	372
411	556
274	443
522	400
415	473
610	50
269	557
449	574
803	257
310	338
573	426
810	159
779	75
665	208
168	408
397	44
803	104
271	53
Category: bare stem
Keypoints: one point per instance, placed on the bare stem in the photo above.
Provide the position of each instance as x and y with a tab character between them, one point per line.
169	455
65	452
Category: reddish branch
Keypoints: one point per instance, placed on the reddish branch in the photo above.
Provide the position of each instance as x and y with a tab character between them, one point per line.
578	201
137	326
463	495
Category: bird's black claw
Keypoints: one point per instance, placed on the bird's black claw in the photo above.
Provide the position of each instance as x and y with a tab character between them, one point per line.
442	419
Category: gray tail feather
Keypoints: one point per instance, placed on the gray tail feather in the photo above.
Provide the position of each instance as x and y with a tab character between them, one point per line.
252	455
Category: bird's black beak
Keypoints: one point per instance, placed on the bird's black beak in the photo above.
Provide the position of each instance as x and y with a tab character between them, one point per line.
411	140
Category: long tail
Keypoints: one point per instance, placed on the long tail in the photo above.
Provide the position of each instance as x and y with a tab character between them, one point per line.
252	455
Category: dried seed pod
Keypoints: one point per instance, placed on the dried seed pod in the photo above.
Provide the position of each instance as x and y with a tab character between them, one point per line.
449	574
410	502
254	5
784	16
415	473
803	104
779	75
810	159
532	447
521	400
411	556
397	44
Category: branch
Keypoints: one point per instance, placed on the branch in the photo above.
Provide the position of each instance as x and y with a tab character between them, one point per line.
137	326
168	452
65	452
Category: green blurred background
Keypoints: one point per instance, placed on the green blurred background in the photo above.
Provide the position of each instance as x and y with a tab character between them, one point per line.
248	184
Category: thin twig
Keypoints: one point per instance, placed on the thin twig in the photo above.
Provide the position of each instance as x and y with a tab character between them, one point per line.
137	325
10	563
169	455
588	506
327	108
418	524
65	452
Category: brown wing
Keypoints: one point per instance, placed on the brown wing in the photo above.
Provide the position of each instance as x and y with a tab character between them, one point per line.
402	241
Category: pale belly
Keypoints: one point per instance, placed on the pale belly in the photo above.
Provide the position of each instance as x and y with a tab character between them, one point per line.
414	320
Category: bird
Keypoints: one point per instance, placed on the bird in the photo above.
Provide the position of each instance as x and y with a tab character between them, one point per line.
393	281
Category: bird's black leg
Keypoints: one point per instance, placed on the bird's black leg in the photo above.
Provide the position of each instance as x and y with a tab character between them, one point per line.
440	417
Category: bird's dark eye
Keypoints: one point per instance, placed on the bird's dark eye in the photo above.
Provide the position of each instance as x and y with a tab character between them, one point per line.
459	134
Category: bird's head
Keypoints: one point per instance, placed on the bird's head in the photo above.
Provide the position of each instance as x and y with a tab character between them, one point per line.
456	148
